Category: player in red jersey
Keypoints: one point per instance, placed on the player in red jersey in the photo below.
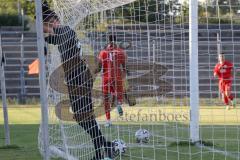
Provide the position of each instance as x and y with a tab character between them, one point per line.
223	70
112	60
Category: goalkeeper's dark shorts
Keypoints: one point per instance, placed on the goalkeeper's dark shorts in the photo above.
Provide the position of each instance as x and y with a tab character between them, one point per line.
80	82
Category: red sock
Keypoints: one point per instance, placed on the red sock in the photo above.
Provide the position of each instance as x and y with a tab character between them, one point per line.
107	109
108	116
226	99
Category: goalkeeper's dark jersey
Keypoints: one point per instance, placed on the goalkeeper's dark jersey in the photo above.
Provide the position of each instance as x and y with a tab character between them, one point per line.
68	44
69	47
77	75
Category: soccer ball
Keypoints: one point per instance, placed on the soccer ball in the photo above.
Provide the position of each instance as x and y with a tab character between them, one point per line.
142	136
120	147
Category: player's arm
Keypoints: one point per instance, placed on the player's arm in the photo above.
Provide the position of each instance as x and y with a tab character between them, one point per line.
60	35
232	69
129	45
124	65
99	64
99	67
215	72
124	71
51	39
122	46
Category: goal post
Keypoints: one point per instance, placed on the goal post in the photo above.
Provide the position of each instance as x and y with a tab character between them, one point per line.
4	96
42	80
193	69
171	52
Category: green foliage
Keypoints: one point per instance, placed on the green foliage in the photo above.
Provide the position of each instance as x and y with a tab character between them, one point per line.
144	11
9	20
29	101
28	7
219	12
10	12
32	101
149	11
171	11
9	7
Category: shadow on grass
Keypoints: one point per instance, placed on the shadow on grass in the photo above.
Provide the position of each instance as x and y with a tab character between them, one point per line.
10	147
24	143
189	143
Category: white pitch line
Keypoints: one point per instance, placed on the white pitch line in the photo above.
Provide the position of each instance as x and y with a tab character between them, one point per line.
225	153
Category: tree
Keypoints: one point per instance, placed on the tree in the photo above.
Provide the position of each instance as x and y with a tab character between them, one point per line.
10	11
150	10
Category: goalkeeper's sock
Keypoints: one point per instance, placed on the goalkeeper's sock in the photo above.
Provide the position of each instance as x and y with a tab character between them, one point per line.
109	150
94	158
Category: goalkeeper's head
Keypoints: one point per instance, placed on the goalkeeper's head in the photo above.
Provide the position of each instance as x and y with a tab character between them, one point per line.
50	18
221	57
47	13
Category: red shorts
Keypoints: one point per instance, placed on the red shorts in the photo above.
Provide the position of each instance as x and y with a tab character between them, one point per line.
225	86
113	87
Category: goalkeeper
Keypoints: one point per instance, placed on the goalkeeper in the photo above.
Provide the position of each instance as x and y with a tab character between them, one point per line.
78	78
223	70
112	60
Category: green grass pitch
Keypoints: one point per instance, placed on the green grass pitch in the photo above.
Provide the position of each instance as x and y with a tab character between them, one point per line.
24	123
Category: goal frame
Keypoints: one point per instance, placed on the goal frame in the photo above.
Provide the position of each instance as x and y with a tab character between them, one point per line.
194	80
193	70
42	80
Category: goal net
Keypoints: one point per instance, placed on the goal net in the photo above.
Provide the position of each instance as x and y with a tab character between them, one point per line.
85	89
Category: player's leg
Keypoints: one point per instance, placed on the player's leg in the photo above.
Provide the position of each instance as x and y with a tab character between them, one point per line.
107	107
120	91
81	103
225	100
119	95
106	102
222	90
229	95
81	106
91	127
130	99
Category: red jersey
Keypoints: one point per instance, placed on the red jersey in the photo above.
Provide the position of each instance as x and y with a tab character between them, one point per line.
224	71
112	60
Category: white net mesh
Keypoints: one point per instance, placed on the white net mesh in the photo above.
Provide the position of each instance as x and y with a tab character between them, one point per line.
150	38
71	12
